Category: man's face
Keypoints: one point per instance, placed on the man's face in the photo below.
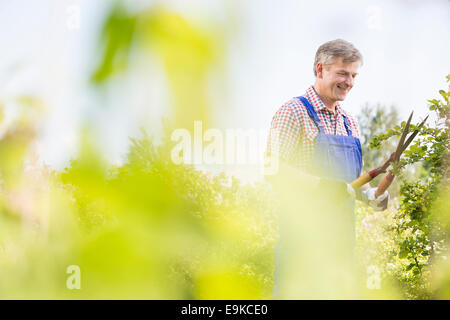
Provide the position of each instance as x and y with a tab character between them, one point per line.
337	79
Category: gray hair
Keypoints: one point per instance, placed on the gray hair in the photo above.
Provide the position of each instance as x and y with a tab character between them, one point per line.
330	50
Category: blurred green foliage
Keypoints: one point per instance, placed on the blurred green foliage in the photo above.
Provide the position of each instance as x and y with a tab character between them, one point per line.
189	55
146	229
116	38
192	226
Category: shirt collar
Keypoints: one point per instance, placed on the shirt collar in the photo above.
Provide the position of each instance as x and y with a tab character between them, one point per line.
317	103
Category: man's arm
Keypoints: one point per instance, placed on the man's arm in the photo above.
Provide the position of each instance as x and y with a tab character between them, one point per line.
284	135
283	141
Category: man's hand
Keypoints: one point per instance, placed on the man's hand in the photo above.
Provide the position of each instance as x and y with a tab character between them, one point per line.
380	203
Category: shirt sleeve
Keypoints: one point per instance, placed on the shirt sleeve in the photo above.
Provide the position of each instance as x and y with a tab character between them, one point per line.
284	135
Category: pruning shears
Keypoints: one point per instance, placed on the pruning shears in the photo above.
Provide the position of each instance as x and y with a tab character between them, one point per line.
394	158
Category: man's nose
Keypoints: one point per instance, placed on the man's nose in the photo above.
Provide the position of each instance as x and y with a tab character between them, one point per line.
349	81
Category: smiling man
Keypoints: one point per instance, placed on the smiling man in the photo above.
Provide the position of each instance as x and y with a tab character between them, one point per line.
319	139
313	132
335	67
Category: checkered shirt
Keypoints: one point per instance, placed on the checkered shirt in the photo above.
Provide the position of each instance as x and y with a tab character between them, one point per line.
295	131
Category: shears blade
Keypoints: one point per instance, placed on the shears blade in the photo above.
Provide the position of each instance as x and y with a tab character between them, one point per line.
398	151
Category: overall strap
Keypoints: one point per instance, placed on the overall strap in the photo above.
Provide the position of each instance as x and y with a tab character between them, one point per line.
312	113
347	126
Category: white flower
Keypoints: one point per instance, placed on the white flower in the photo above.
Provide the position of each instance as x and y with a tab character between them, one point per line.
366	224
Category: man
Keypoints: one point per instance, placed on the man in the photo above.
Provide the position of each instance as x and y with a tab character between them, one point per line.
319	140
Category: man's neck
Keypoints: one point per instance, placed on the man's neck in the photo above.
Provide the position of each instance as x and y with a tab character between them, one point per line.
330	104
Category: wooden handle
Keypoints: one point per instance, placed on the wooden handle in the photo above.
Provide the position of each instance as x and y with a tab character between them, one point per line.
384	184
364	178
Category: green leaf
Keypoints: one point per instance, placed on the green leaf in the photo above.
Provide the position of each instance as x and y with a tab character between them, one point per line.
410	266
403	254
412	223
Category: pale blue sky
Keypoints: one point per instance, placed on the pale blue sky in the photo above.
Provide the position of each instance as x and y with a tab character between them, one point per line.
405	44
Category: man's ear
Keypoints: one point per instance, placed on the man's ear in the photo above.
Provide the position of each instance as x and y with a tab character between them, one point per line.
319	69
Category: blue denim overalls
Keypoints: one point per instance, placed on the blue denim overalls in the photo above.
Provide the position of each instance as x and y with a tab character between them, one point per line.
335	157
